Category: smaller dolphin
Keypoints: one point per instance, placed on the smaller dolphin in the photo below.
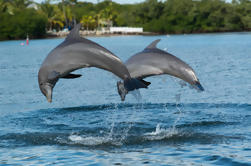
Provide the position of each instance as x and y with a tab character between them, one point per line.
76	53
153	61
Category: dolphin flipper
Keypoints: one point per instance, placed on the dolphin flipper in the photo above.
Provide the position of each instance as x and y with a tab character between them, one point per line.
145	82
72	76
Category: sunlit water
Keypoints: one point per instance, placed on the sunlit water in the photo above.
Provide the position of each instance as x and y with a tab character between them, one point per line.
87	124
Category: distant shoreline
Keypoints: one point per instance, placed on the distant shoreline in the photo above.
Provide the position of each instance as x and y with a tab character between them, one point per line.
54	36
49	35
98	34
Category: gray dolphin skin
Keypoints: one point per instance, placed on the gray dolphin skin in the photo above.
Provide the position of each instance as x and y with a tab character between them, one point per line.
153	61
75	53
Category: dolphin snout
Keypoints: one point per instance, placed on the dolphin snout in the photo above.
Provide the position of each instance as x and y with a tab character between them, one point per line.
198	86
48	93
49	99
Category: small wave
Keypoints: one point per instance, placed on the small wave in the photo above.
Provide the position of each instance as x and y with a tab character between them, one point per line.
160	135
206	124
121	106
26	139
222	160
92	141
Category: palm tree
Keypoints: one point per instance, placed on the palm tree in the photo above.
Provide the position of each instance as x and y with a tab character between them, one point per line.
65	17
10	6
54	15
20	4
88	22
108	15
66	7
6	6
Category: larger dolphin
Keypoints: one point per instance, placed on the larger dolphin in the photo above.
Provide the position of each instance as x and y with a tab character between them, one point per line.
75	53
153	61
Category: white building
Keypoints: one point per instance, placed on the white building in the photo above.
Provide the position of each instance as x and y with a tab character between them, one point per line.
125	30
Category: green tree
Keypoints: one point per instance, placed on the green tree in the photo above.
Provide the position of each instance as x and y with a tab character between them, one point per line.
24	22
53	14
89	22
6	7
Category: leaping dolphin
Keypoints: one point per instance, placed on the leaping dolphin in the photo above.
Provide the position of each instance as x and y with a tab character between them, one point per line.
75	53
153	61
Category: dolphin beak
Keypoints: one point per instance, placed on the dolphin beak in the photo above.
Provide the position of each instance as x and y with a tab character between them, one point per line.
49	94
198	86
49	99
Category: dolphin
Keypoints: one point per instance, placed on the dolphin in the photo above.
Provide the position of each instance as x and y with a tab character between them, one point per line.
153	61
75	53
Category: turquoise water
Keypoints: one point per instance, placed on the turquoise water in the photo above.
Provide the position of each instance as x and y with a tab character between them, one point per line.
87	124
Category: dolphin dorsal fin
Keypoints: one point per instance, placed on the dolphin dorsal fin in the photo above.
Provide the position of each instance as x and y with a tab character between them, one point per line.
153	44
74	34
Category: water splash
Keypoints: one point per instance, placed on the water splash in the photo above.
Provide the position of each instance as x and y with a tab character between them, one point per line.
114	136
137	95
178	104
114	117
178	107
133	117
161	133
119	136
182	83
131	120
91	140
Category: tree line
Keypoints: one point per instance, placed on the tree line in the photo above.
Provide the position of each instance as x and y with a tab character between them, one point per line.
21	17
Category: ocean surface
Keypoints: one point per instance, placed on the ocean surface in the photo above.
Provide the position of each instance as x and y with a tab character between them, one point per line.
87	124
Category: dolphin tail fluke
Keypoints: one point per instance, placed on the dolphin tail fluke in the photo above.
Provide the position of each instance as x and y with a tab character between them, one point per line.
145	82
129	85
198	86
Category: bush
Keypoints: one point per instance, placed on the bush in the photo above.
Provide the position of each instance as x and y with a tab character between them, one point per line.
24	22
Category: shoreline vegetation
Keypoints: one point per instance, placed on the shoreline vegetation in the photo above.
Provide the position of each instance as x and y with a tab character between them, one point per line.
83	33
19	18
